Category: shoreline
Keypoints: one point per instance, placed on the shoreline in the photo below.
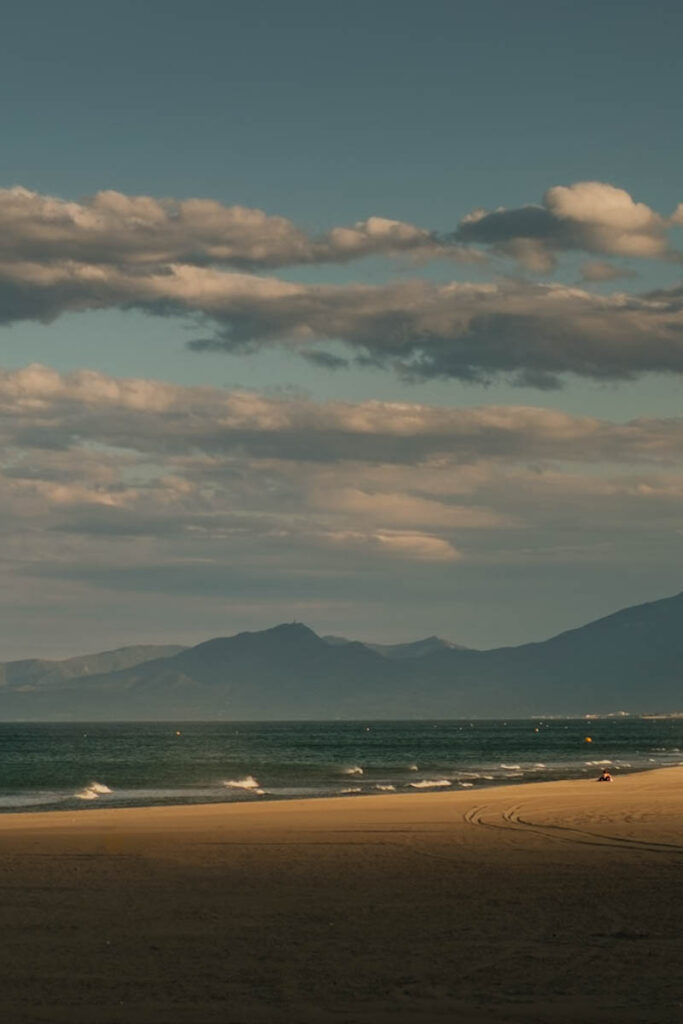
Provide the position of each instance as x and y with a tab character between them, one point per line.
276	812
452	791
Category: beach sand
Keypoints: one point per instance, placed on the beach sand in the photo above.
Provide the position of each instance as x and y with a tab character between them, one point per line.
557	902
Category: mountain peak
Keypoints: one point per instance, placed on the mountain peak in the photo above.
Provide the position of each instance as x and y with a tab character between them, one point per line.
293	628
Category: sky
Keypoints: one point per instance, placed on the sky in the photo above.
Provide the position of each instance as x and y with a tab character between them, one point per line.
367	315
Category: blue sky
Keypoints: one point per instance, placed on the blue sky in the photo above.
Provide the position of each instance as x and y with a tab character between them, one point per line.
333	116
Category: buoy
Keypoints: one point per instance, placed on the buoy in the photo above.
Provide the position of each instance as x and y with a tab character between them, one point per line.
177	732
588	739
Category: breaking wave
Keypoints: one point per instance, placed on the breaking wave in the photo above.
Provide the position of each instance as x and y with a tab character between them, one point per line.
92	791
248	783
430	783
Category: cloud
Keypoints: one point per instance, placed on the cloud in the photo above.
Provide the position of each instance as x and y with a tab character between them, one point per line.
601	270
89	455
195	259
201	495
590	216
400	509
412	546
529	333
45	414
113	229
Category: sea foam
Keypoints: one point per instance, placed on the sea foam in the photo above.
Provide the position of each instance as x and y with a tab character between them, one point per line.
92	791
248	782
430	783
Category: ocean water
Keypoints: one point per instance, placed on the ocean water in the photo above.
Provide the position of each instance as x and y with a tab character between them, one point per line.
80	766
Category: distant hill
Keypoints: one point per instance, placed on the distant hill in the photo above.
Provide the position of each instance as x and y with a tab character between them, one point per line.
39	672
629	661
397	652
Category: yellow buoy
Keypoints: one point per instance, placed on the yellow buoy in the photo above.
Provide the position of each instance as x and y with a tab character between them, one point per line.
588	739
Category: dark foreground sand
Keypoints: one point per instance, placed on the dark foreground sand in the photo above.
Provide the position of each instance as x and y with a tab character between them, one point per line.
557	902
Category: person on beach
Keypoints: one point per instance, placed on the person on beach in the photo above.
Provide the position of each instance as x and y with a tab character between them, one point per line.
605	777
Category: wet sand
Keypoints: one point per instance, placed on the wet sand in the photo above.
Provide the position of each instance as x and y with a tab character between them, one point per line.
557	902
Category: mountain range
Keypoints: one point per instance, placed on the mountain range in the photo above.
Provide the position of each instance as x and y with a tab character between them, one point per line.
629	661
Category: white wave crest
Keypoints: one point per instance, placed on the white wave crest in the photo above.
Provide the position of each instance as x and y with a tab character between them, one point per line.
92	791
601	762
248	782
385	789
466	785
510	767
353	770
352	789
412	768
430	783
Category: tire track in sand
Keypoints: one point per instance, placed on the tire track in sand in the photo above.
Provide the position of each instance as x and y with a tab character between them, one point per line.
511	820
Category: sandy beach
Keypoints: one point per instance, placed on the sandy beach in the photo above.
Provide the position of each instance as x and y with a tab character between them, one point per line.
557	902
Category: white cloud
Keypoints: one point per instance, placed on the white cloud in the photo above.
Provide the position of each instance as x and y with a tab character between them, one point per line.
401	509
111	228
195	259
591	216
44	411
532	333
412	546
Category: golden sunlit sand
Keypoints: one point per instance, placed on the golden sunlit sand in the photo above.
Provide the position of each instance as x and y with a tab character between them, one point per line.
557	902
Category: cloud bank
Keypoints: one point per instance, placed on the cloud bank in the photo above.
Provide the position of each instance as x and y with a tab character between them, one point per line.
256	507
94	456
207	264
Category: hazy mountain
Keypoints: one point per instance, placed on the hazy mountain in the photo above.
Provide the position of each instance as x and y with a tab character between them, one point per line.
40	672
414	649
631	661
284	672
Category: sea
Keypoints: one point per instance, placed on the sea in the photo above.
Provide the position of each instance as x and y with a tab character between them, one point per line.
79	766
